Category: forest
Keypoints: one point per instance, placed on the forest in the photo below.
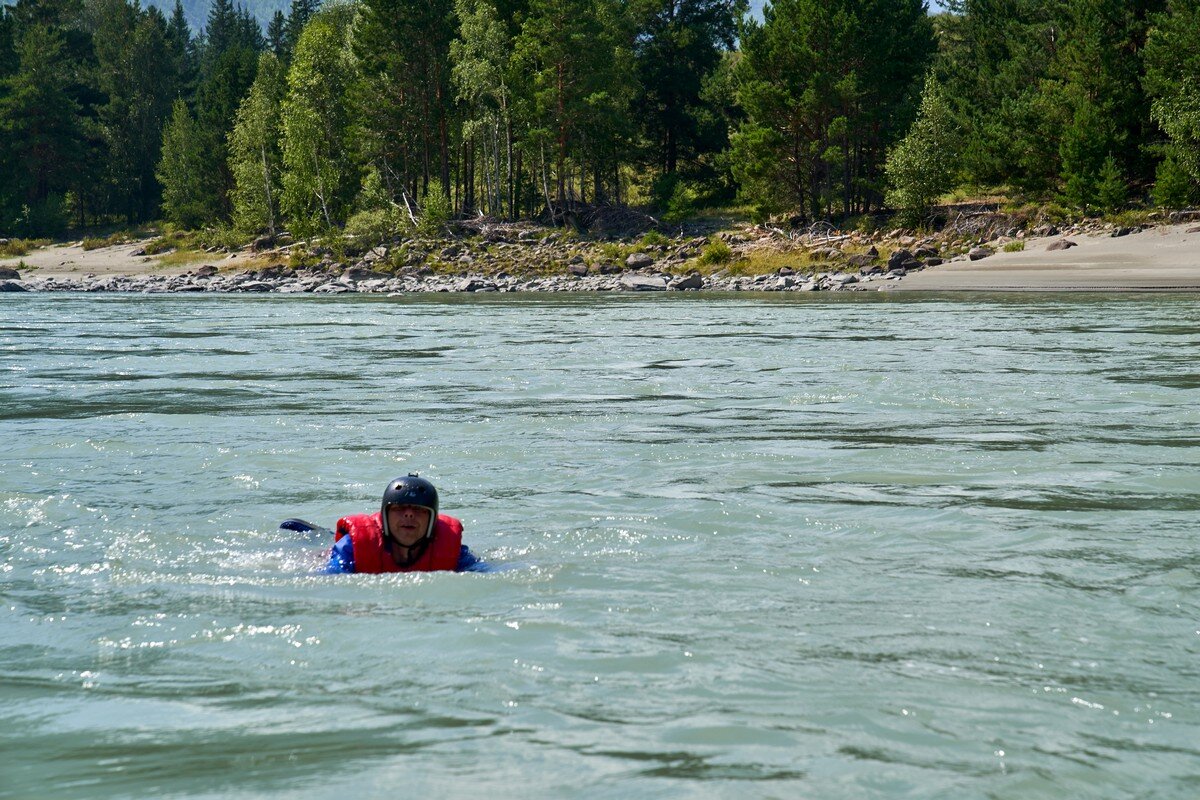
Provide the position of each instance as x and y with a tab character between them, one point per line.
374	115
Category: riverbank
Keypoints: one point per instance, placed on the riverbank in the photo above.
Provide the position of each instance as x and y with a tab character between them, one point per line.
976	253
1165	258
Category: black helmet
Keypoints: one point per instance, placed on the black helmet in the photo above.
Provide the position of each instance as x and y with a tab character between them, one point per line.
410	490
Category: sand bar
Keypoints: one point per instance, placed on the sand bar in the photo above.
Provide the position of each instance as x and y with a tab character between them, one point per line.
1166	258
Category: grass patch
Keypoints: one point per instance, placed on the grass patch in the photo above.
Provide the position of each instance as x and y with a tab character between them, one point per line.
1132	218
15	248
97	242
184	258
1015	247
172	240
765	262
611	251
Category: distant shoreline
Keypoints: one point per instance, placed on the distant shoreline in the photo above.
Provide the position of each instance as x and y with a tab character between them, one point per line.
1160	258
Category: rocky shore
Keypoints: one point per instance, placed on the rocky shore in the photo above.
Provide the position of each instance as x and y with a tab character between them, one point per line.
504	259
315	281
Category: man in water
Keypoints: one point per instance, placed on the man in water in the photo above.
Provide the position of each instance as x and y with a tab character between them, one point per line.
407	535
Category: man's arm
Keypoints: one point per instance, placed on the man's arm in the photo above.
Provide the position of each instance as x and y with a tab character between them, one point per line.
467	562
341	557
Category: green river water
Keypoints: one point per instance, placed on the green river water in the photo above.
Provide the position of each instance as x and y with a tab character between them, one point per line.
765	546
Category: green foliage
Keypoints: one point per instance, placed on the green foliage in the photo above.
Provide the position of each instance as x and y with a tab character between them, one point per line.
653	238
402	98
679	47
1172	81
254	154
716	252
1174	186
188	196
1045	91
97	242
373	196
41	134
1083	154
817	122
138	73
435	210
481	56
577	66
320	179
675	198
921	168
1111	190
225	237
371	227
19	247
1015	246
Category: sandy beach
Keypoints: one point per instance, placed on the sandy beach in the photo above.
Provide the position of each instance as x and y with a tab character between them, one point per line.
1166	258
72	261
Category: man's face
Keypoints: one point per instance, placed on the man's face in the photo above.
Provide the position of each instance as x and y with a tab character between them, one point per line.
408	524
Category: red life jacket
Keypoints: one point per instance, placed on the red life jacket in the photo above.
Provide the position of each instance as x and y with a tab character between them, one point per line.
370	554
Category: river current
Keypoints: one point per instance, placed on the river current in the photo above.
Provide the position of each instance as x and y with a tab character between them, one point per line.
750	546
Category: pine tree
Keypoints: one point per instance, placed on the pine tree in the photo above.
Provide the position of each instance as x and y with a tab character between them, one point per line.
995	63
578	70
817	126
405	100
190	194
300	12
183	51
679	43
277	36
254	149
136	73
1111	190
41	127
220	34
1100	72
228	63
481	56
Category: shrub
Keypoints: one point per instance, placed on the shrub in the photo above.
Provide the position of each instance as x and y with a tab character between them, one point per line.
1173	186
223	236
921	168
1015	247
435	209
653	239
614	252
716	252
301	257
373	226
1111	190
45	218
20	247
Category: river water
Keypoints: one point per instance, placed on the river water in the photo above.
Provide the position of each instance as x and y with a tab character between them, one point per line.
751	546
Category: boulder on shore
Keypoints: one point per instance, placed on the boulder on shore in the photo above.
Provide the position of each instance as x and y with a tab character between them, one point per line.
639	261
644	283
